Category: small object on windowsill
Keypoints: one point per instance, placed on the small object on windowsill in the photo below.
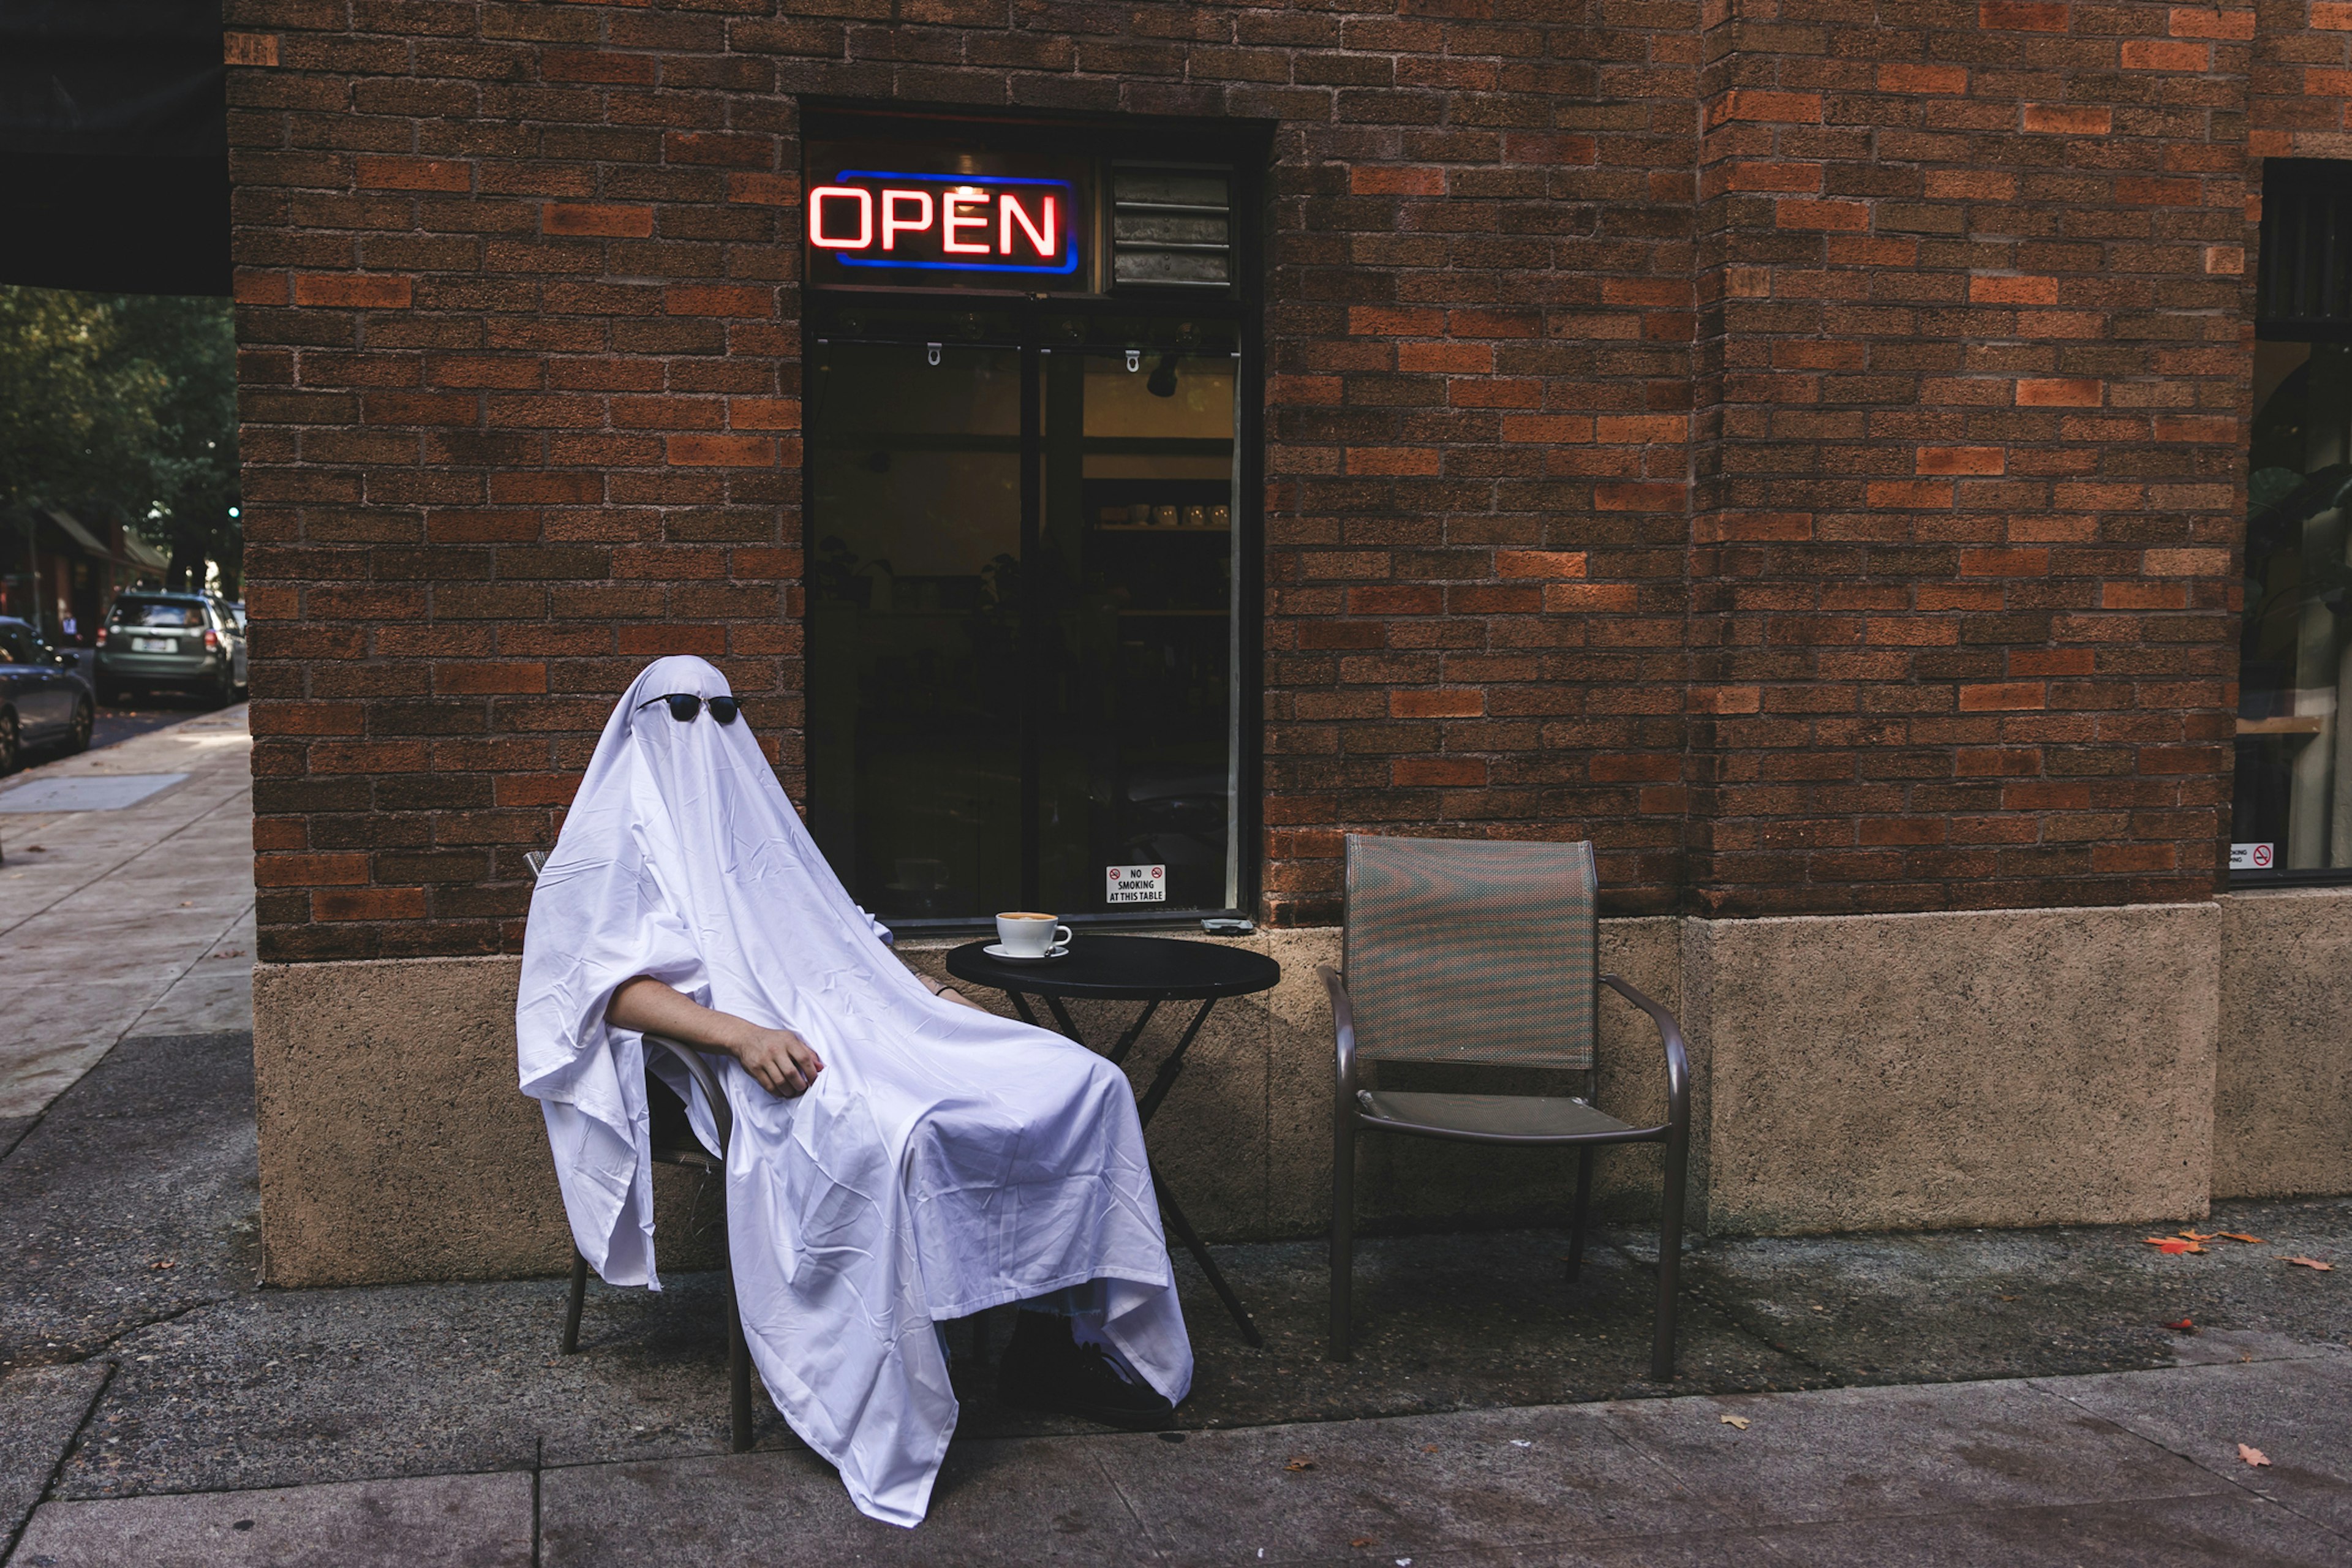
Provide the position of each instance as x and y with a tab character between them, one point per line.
1227	926
2285	724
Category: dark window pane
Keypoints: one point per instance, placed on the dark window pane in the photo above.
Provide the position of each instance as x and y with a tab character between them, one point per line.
2296	657
914	712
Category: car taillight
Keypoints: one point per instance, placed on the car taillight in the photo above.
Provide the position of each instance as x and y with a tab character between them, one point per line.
101	637
212	640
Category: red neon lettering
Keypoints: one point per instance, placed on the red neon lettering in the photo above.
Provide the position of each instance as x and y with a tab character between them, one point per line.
1009	212
951	220
893	225
819	196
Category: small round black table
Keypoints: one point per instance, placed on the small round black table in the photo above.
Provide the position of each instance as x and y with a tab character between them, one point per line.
1149	969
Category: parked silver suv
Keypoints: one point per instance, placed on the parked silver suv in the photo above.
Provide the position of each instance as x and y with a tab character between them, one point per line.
170	642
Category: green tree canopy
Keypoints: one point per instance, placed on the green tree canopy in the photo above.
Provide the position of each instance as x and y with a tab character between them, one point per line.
124	407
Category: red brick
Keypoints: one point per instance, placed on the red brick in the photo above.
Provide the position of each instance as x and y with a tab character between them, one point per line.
1960	460
2035	393
2002	697
587	218
719	451
352	292
380	174
2068	120
2023	15
1436	704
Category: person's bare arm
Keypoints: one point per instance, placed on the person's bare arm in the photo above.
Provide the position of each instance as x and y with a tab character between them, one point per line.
939	989
778	1059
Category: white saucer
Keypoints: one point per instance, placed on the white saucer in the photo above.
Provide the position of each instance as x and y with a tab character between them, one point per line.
996	950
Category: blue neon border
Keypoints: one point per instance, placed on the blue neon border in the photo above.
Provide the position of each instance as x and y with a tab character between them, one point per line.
1061	271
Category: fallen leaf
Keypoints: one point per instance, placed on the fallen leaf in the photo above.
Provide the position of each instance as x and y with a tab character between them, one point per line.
2253	1455
2169	1245
2185	1326
1300	1464
2307	1263
2241	1236
1738	1421
1429	1447
2193	1234
1361	1541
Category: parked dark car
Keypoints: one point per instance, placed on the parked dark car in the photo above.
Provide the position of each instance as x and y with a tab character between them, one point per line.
170	642
44	700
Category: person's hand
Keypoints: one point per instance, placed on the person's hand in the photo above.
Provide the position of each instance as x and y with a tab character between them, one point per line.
779	1061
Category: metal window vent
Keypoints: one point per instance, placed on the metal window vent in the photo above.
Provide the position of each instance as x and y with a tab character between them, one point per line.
1171	226
2302	285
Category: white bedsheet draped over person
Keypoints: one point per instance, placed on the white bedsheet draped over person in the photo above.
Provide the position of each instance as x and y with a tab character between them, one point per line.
945	1161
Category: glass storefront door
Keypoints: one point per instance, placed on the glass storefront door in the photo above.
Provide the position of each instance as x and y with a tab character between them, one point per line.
1022	618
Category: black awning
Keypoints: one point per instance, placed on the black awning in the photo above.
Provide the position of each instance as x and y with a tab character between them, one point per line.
113	146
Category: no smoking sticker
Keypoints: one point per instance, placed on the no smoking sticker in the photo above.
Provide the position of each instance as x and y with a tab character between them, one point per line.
1136	884
2249	857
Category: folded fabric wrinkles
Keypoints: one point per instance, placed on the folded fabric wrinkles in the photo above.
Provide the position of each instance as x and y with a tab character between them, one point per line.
945	1161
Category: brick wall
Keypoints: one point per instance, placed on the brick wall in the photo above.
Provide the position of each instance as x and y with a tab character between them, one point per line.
1944	312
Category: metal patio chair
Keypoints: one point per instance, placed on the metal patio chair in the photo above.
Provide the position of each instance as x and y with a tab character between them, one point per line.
1480	952
674	1144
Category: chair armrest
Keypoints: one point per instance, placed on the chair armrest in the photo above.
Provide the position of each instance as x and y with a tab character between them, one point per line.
699	1068
1343	1025
1670	1033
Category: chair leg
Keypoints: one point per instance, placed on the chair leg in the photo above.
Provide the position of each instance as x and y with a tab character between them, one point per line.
738	1376
1670	1260
1576	1216
1343	1233
572	1307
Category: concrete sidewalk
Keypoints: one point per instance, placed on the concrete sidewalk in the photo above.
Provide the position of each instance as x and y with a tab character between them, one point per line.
2130	1468
136	921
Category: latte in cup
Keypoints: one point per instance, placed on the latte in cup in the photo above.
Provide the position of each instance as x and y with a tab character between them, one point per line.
1024	935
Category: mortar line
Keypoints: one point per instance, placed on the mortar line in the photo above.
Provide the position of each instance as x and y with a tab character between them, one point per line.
58	1470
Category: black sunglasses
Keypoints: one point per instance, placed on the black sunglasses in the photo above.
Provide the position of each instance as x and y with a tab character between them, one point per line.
684	706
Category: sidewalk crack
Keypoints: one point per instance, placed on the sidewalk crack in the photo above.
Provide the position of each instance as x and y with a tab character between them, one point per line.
57	1469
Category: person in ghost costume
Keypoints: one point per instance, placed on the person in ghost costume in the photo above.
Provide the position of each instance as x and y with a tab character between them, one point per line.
899	1157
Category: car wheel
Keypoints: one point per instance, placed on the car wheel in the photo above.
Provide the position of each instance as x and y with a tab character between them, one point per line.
11	750
85	719
223	691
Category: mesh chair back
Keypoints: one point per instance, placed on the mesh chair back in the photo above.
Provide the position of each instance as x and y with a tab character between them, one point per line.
1472	951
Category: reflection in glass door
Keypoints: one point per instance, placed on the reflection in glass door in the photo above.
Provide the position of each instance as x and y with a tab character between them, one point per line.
914	622
1135	567
1022	627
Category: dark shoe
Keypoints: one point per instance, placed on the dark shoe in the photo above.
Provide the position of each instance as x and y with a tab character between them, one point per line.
1044	1368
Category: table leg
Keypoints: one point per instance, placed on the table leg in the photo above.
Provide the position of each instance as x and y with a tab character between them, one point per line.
1166	1078
1191	1240
1021	1006
1062	1018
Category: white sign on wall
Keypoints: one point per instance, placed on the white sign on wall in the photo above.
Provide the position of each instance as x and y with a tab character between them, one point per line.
2249	857
1136	884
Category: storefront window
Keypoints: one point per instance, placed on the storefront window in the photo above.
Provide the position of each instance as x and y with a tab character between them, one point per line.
1024	581
2292	812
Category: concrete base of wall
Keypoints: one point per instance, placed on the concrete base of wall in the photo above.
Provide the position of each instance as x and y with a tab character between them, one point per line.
2283	1098
2005	1068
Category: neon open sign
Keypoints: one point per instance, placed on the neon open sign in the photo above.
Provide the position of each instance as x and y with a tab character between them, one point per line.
946	223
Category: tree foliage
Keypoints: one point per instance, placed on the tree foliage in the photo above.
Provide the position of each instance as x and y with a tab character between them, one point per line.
124	407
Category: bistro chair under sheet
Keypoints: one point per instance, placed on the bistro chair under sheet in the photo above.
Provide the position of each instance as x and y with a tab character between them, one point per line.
674	1144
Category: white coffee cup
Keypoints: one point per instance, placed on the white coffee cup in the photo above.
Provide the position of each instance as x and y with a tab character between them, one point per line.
1026	935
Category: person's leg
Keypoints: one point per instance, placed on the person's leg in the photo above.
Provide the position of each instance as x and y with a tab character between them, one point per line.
1062	1359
